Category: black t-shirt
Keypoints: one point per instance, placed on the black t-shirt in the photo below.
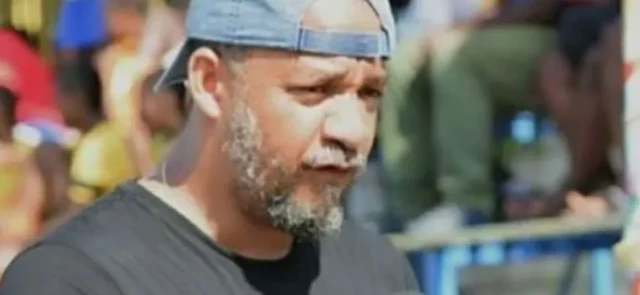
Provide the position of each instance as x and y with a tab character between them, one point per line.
132	243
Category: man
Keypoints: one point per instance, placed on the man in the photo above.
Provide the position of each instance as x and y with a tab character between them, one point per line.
285	97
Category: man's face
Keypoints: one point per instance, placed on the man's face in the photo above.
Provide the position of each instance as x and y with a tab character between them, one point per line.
299	128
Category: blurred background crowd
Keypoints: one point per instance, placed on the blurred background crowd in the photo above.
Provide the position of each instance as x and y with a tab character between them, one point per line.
495	110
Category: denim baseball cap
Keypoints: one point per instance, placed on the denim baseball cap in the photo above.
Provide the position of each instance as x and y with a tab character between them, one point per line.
275	24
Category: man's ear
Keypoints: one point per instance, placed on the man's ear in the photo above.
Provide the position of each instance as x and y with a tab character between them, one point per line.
203	81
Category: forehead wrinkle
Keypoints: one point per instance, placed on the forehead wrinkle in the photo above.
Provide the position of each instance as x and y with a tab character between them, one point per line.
365	70
324	65
283	66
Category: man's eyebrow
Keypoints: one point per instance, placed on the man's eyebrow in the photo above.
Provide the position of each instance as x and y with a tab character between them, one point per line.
376	76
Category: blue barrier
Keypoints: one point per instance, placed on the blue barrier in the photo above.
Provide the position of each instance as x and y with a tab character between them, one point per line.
437	269
438	263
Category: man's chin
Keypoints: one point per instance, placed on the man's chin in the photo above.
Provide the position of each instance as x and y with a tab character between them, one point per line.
308	224
318	196
304	235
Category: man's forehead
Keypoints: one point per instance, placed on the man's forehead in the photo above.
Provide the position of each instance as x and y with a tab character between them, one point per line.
338	65
286	65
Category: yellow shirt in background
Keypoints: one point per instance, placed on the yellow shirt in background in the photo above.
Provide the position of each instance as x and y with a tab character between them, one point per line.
101	161
12	172
124	108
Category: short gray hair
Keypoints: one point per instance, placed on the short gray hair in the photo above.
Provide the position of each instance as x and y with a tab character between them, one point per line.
234	55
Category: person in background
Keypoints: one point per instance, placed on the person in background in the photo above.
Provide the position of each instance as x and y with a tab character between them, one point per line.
21	186
80	30
32	82
38	126
101	160
437	117
78	97
454	84
581	83
120	67
53	163
162	111
423	17
163	33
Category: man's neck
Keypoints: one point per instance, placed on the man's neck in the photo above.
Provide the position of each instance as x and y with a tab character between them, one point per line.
209	205
227	226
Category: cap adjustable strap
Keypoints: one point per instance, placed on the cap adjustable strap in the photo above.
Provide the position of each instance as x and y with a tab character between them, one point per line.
344	43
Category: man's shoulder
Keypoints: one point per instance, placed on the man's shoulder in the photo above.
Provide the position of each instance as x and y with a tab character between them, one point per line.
367	242
371	253
351	232
47	268
105	222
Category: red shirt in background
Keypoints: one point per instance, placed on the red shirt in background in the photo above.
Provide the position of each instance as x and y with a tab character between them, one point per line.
32	79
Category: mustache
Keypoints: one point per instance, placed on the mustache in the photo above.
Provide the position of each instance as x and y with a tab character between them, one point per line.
334	156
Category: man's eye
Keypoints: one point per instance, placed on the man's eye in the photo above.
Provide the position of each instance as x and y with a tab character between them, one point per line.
310	95
316	89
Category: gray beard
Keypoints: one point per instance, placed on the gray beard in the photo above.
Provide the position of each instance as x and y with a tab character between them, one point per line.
264	187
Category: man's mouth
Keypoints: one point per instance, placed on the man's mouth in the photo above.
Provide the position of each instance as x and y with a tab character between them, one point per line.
333	173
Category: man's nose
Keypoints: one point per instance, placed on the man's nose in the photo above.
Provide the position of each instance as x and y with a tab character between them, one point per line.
345	122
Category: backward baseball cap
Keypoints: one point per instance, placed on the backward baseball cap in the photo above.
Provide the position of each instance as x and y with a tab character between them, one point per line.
274	24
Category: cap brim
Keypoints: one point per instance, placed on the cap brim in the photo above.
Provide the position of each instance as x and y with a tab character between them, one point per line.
175	66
